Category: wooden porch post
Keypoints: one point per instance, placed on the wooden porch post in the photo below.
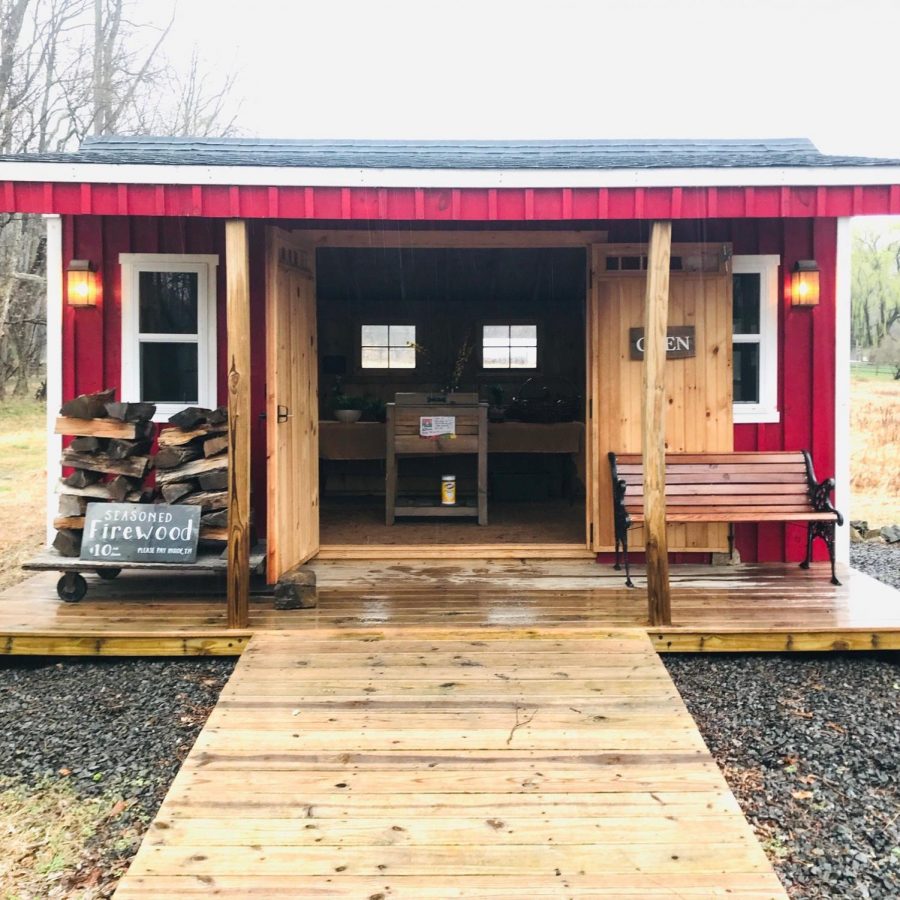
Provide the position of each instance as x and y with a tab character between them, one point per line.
653	423
237	265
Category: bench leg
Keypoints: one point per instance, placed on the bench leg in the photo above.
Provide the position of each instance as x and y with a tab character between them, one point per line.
628	581
825	531
617	565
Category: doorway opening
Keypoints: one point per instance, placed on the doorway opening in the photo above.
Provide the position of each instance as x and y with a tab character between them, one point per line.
500	327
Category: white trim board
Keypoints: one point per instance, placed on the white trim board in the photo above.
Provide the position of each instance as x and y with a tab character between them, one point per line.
842	386
288	176
54	362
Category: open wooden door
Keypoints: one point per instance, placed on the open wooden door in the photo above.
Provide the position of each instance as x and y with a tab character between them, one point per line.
292	402
698	388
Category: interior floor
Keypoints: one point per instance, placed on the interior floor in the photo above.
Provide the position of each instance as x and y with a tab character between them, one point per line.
360	520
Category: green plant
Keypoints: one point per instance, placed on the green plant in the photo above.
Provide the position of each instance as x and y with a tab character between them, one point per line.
345	401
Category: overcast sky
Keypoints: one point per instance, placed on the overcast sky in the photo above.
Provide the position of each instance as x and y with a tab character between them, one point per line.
557	69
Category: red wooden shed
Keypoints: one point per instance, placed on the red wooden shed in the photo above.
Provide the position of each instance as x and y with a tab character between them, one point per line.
290	277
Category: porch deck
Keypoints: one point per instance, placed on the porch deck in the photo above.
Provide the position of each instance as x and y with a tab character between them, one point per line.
486	763
729	608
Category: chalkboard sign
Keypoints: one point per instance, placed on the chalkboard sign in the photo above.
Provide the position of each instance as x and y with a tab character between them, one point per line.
140	532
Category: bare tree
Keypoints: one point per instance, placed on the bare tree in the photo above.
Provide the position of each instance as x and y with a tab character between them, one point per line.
70	68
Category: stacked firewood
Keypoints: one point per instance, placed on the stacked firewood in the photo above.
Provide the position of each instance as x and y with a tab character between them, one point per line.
110	457
192	467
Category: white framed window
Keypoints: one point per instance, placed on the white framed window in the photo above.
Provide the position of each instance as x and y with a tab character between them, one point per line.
755	337
509	346
387	347
169	330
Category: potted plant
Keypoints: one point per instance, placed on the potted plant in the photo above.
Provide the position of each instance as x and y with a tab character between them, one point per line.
348	409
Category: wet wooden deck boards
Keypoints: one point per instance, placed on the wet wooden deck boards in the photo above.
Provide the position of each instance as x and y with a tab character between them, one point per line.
746	608
397	763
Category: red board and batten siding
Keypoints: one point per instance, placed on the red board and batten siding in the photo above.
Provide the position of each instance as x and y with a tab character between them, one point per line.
448	204
92	337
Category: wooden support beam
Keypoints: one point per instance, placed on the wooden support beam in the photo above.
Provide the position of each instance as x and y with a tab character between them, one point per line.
237	266
653	423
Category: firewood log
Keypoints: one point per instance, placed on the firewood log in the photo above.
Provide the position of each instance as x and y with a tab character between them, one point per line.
67	542
175	437
104	428
207	499
133	467
131	412
215	445
88	444
120	487
88	406
81	478
172	457
69	523
214	481
190	418
192	470
72	506
218	519
218	416
172	493
117	449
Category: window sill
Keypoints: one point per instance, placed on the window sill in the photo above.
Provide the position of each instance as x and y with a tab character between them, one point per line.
756	416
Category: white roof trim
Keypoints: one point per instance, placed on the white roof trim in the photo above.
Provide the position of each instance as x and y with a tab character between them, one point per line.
286	176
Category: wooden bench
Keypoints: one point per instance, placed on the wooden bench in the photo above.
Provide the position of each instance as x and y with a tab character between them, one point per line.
728	488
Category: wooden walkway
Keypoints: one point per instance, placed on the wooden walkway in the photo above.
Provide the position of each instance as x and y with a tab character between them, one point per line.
727	608
409	763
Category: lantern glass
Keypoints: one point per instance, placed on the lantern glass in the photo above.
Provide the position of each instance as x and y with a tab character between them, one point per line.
805	283
82	286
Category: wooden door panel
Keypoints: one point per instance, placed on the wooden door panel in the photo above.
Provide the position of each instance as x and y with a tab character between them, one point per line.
292	403
698	389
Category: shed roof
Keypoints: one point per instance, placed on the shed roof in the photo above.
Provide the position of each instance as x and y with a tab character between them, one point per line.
507	155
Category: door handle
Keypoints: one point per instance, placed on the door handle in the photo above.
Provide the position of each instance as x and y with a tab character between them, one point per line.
283	414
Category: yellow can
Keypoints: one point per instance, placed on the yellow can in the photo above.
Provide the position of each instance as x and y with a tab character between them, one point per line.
448	490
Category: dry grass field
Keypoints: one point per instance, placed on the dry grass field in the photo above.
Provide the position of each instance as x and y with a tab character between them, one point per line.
875	450
22	485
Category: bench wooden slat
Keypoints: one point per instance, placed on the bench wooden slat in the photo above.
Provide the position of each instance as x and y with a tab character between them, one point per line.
746	516
755	457
724	490
717	469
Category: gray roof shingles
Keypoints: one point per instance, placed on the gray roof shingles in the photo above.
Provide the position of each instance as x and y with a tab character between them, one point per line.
575	154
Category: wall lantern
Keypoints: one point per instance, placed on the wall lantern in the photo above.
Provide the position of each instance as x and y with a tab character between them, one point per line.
82	283
805	283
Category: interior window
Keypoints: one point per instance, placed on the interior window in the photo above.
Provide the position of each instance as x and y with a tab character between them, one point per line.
388	347
509	346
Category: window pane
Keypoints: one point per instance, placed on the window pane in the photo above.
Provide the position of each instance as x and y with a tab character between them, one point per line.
746	373
746	294
374	335
523	358
403	335
402	358
169	373
496	357
374	357
523	335
168	302
496	336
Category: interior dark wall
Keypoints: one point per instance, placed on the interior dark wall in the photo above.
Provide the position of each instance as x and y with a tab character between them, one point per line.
448	294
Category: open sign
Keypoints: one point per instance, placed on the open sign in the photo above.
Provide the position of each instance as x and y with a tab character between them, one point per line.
681	342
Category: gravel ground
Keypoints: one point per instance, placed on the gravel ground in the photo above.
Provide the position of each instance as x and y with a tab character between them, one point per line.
810	745
111	728
881	561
